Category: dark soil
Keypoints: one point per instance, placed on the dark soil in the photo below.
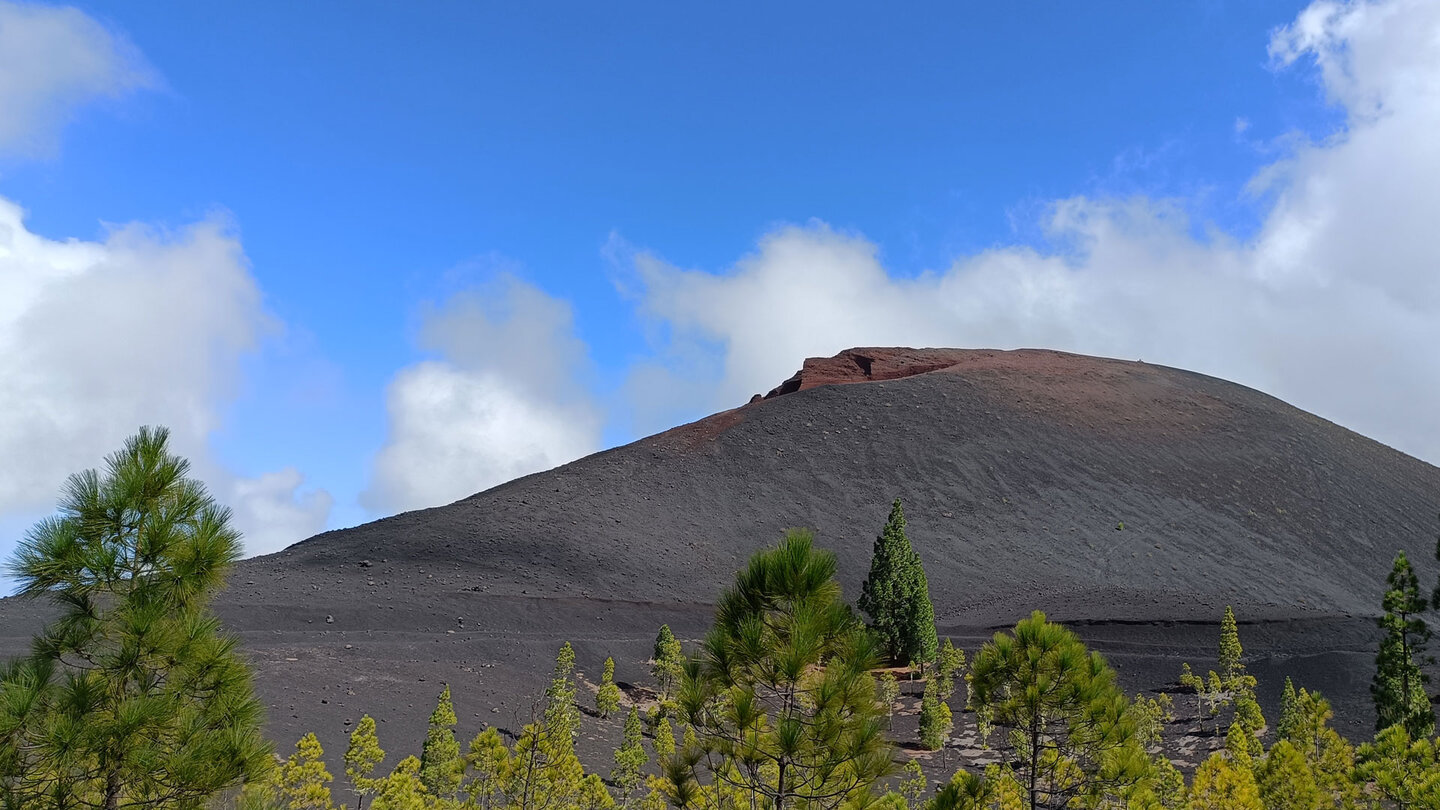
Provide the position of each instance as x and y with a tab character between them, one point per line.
1128	500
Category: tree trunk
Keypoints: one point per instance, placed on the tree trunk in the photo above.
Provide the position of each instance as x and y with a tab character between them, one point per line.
112	790
1034	764
780	788
1405	666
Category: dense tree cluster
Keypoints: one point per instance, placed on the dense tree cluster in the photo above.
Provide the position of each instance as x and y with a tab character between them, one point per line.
536	770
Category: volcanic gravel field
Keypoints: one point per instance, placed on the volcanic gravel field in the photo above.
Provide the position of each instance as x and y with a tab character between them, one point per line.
1129	500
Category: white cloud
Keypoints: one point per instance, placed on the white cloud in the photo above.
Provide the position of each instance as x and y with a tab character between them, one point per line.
274	512
144	327
53	60
1334	305
505	400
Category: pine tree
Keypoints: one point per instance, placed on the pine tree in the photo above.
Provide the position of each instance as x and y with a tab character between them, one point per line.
362	758
965	791
1219	785
403	789
607	699
562	718
544	771
1312	714
914	784
1330	757
654	794
1216	695
781	700
1232	685
1008	793
1239	745
630	757
1399	699
1248	713
593	795
133	692
441	767
896	596
1290	724
664	742
936	720
488	762
1166	788
1286	781
1072	733
949	663
1404	771
1195	683
947	727
1398	687
1151	716
302	782
668	661
1231	653
984	722
923	644
1435	596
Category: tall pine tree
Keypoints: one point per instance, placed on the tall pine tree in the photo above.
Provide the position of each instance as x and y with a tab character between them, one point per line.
896	596
1231	653
1072	735
488	771
664	743
562	717
403	789
630	757
1291	726
1220	785
936	719
302	782
441	766
1435	597
1398	687
607	697
668	661
133	691
949	663
1286	781
362	758
780	703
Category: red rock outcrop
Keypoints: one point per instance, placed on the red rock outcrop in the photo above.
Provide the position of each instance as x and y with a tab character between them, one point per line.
869	364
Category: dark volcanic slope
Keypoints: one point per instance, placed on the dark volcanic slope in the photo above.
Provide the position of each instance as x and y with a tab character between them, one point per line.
1017	469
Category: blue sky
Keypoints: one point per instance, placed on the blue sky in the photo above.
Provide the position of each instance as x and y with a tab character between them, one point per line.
632	184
